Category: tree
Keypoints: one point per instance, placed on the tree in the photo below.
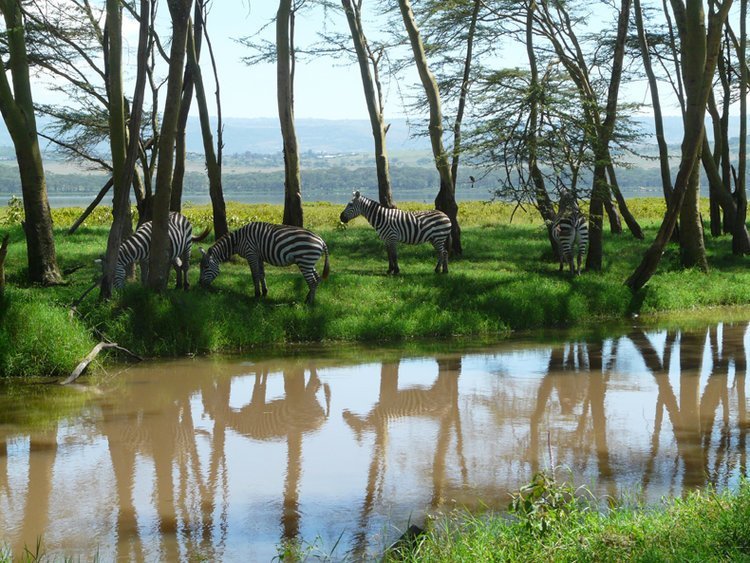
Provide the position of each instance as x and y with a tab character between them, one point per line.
700	51
446	198
123	157
369	60
17	108
213	163
285	97
158	274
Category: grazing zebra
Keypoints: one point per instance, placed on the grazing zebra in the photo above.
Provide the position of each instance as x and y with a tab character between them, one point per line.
394	226
571	235
137	247
279	245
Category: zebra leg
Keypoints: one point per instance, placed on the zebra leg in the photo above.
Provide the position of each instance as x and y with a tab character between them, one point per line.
255	270
263	287
144	270
185	268
392	258
442	252
312	278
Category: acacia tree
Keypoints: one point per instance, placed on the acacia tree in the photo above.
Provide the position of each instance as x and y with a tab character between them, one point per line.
213	162
124	143
369	68
285	19
700	50
446	198
158	274
17	107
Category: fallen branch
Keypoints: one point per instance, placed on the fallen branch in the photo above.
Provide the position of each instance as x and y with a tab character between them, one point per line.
77	302
80	368
91	206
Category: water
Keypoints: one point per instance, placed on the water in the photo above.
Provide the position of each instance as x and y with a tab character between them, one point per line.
227	458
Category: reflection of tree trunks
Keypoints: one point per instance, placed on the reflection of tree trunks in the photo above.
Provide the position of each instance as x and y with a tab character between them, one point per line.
556	359
164	456
290	514
42	456
378	461
688	428
596	395
448	371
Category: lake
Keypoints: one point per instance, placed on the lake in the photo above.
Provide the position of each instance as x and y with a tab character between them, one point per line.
343	447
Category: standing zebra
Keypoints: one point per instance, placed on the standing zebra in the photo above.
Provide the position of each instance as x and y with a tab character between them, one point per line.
394	226
570	233
137	247
279	245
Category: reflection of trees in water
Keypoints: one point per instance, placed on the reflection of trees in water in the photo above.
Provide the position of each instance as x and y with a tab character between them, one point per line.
438	402
699	411
692	414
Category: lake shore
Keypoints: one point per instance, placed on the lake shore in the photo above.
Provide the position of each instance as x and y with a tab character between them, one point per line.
506	281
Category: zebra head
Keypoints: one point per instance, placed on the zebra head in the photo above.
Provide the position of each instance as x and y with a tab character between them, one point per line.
352	209
209	268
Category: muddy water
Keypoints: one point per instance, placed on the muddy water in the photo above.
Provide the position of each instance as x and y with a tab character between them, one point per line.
225	459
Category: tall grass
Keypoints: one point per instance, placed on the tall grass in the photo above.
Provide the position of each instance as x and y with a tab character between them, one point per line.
506	280
703	526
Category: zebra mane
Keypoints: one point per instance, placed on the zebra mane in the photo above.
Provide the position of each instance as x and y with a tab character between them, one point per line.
222	249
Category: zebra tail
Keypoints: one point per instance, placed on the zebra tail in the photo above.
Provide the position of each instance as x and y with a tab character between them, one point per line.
326	268
203	235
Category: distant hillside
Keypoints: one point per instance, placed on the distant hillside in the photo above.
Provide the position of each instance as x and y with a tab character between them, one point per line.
261	135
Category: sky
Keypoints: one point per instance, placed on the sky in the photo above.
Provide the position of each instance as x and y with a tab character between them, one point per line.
324	88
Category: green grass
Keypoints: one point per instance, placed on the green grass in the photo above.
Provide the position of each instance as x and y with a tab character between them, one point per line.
702	526
505	281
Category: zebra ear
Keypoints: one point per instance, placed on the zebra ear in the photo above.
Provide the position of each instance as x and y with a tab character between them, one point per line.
202	250
355	194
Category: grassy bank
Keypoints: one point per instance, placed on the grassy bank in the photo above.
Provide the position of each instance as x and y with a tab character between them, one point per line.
703	526
505	281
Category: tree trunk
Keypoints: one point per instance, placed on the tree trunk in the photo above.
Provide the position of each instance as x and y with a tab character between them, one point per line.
692	246
285	98
17	107
158	274
543	201
464	92
120	201
630	221
446	198
700	52
373	99
601	189
213	167
740	241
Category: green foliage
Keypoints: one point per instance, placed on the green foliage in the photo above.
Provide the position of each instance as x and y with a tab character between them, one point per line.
13	213
544	503
39	338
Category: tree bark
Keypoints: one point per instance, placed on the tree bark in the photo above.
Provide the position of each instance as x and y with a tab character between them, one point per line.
446	198
158	274
373	98
285	99
17	107
740	241
213	167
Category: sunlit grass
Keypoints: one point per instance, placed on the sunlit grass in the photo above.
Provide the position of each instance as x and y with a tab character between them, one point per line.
506	280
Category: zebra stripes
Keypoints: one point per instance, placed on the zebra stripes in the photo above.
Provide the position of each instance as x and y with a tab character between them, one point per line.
137	247
571	235
394	226
278	245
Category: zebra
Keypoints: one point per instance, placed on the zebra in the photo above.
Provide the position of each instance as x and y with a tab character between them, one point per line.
394	226
571	234
279	245
137	247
